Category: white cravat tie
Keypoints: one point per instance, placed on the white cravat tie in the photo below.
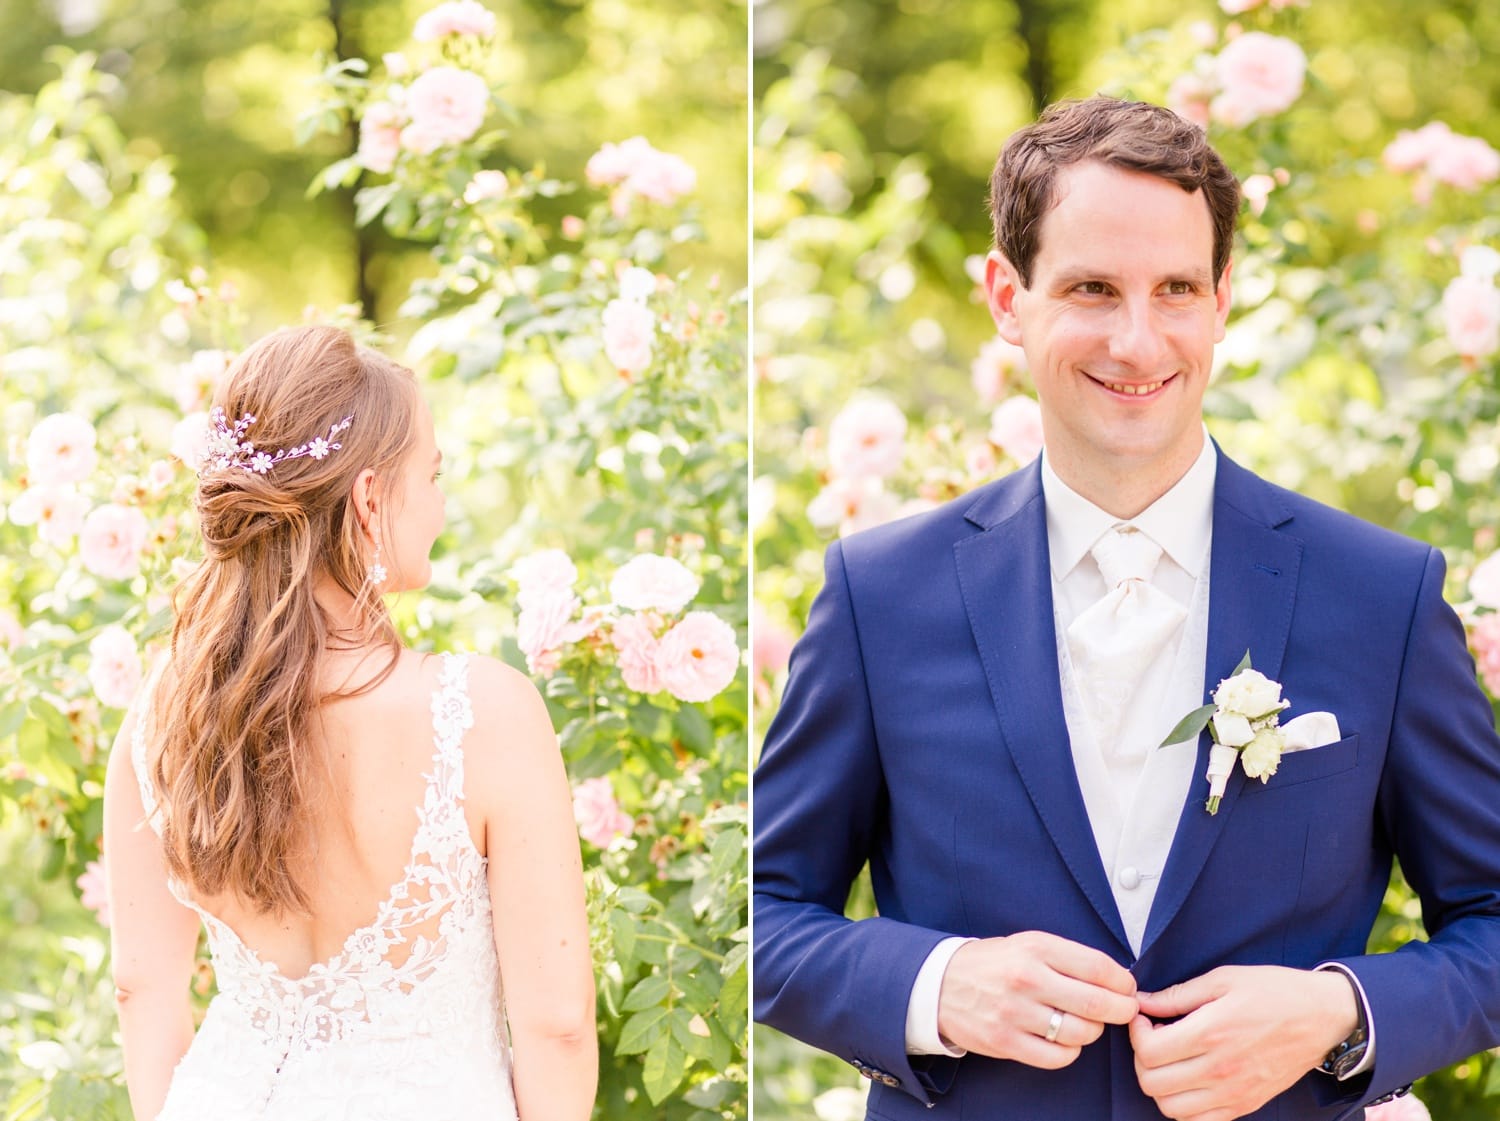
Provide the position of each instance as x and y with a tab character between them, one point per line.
1117	639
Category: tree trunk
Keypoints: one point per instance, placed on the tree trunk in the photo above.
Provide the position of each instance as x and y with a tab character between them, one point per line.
364	250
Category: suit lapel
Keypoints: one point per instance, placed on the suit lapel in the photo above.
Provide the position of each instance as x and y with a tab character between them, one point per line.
1007	592
1252	591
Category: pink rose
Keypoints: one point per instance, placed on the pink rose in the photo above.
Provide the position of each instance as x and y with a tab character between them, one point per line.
420	139
867	439
1465	162
93	889
980	461
1484	637
198	377
189	441
1239	7
1471	316
447	104
1259	75
61	450
572	227
996	361
1408	1107
486	185
1188	96
770	650
651	582
543	575
599	817
1411	151
457	17
159	475
380	136
1484	582
634	636
1016	428
640	169
698	658
545	625
111	541
851	505
1257	189
628	330
56	511
12	634
114	667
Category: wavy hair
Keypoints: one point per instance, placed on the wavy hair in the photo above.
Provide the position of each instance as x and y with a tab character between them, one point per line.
234	711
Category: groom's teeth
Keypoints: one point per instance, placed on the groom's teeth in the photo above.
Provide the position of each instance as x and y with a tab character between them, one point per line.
1134	390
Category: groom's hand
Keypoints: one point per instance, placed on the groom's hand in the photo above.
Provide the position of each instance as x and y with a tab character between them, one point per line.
999	995
1247	1033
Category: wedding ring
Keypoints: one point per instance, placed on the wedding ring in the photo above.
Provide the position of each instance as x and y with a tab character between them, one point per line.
1054	1026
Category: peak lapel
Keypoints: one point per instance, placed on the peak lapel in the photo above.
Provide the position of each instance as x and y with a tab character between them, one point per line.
1253	588
1007	592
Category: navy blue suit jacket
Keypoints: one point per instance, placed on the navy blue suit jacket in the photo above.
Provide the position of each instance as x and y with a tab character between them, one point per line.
922	730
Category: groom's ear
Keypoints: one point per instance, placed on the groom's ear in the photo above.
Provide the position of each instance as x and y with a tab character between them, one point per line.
1002	284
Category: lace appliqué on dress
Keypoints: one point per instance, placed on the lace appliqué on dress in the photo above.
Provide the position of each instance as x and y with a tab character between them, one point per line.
398	1015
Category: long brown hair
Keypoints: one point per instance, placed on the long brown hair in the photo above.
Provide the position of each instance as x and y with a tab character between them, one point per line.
233	713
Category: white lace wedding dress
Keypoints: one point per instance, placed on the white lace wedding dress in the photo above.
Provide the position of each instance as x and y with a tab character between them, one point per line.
397	1026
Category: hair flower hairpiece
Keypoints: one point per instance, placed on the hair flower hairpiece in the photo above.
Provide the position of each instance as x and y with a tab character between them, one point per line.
228	448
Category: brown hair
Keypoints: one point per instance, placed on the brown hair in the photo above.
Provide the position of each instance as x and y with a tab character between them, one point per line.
234	711
1131	135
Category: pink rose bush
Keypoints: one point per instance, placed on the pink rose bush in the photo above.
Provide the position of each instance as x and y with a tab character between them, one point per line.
850	505
1016	428
447	106
1484	582
93	890
112	540
629	328
993	368
1437	154
770	651
1471	309
114	667
380	136
1239	7
57	511
599	817
694	657
1258	75
1484	638
867	439
636	169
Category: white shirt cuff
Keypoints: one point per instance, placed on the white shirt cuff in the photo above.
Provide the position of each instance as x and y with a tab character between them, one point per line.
1364	1002
922	1036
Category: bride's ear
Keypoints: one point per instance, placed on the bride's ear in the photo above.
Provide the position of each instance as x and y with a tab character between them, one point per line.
362	496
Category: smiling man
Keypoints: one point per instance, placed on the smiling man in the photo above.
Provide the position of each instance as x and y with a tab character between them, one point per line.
976	709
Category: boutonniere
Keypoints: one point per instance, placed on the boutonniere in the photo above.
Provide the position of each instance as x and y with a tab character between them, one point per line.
1244	721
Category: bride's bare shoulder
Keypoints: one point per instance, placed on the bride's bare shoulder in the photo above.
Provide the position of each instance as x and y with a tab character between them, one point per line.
510	717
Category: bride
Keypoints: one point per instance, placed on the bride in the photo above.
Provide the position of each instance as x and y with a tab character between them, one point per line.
374	838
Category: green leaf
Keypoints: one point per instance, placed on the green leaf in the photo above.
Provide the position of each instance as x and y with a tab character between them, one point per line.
622	926
1190	726
693	729
1244	664
692	1032
650	991
642	1030
666	1063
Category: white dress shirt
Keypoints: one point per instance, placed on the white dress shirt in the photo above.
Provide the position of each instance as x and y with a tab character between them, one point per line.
1133	821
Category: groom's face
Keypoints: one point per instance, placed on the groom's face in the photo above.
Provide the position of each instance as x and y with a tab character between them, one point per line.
1119	321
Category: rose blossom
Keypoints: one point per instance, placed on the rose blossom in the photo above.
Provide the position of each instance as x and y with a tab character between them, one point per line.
1411	151
599	817
543	574
111	541
114	667
654	582
572	227
993	365
1484	637
56	511
1016	428
698	657
634	636
93	890
1408	1107
1484	582
851	505
1259	75
60	449
380	136
628	329
1249	693
1257	189
1465	162
637	284
545	625
1188	96
1262	755
1471	316
640	169
867	439
447	104
486	185
189	441
457	17
198	377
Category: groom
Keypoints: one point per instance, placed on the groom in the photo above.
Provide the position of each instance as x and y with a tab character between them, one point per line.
1064	930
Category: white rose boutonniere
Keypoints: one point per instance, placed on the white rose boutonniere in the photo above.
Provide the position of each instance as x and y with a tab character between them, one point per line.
1244	721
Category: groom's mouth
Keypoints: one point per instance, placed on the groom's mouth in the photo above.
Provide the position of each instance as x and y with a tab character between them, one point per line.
1133	390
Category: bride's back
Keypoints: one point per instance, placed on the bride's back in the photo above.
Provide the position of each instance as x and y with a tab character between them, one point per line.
371	756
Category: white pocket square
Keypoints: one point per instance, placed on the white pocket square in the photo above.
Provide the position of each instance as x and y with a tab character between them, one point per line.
1312	729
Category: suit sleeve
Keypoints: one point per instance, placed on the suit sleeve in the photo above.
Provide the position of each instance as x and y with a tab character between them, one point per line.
819	803
1437	1002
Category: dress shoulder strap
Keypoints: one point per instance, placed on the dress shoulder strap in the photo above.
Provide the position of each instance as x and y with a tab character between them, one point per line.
452	716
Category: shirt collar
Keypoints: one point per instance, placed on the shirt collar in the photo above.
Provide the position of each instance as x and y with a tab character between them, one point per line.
1180	521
